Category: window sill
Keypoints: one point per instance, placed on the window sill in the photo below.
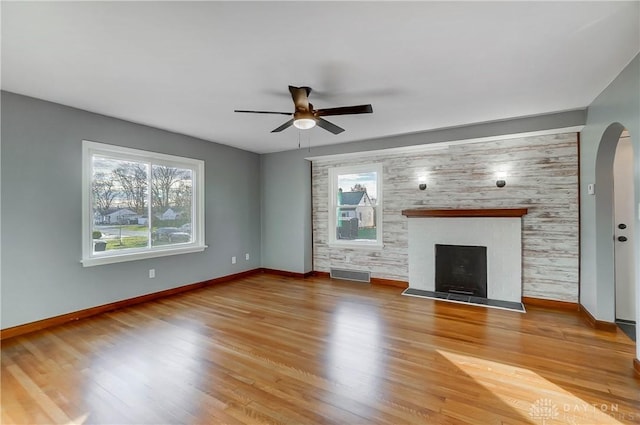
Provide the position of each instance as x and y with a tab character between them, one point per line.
371	246
133	256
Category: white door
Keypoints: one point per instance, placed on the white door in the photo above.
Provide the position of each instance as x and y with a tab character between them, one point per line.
625	267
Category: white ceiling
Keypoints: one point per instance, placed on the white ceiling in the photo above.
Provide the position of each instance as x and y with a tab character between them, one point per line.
185	66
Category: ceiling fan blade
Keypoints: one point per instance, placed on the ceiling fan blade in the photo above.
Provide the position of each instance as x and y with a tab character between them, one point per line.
344	110
263	112
283	126
329	126
300	96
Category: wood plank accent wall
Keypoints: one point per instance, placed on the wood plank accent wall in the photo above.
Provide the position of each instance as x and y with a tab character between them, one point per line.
542	176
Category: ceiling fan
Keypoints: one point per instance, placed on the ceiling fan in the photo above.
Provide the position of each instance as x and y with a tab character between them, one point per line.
305	117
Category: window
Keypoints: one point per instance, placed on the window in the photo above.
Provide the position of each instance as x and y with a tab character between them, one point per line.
355	206
139	204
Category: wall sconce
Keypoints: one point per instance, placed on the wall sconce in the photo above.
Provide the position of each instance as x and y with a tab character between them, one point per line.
501	175
422	183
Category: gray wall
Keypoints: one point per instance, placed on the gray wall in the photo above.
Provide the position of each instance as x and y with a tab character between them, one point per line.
41	212
289	172
286	212
616	108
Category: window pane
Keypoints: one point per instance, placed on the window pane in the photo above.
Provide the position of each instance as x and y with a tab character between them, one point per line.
131	197
356	211
119	204
171	205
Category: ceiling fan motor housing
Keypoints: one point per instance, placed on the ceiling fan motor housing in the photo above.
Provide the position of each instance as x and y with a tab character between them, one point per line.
301	115
305	117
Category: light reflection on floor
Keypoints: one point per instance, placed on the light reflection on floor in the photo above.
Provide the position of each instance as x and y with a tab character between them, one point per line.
354	347
512	385
173	350
79	420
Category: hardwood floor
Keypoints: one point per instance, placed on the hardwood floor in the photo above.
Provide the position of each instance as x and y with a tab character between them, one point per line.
279	350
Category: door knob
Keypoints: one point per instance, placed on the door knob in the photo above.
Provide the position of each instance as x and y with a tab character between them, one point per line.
622	238
622	226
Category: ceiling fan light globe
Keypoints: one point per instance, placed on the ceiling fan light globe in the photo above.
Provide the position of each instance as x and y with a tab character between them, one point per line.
304	123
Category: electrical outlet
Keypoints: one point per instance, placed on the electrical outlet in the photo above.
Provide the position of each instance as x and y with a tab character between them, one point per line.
152	273
246	256
233	260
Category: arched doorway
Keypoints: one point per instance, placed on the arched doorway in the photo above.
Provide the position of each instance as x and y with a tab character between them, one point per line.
610	235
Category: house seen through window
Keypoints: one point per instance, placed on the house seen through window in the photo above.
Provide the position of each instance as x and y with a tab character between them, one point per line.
141	204
355	204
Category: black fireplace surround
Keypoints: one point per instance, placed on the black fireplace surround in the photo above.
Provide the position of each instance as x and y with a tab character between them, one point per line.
461	269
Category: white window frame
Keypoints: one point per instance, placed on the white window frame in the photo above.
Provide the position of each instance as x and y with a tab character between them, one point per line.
334	172
91	258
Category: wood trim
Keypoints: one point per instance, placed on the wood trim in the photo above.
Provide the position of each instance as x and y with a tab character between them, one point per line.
483	212
595	323
286	273
636	367
321	274
551	304
389	282
92	311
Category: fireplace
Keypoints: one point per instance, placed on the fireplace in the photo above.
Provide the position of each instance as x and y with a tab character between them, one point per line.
461	269
498	231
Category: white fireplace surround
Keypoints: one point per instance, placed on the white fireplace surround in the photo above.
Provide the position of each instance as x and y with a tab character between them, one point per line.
500	231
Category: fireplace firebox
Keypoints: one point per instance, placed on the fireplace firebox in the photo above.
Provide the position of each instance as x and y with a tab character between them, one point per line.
461	269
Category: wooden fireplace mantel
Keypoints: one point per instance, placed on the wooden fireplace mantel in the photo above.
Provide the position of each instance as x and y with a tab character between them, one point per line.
487	212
